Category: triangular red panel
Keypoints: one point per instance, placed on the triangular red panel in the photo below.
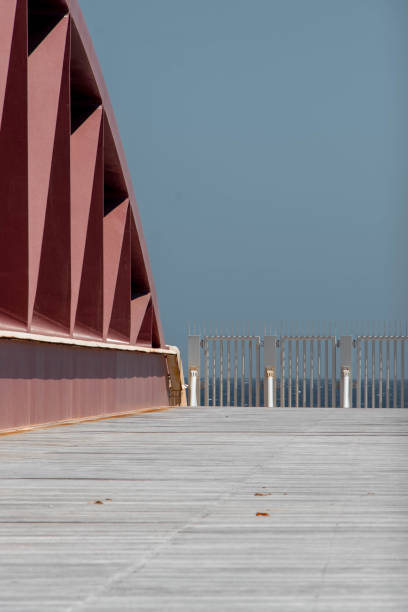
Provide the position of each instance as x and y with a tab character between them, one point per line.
145	333
116	250
119	327
13	164
49	179
137	313
87	227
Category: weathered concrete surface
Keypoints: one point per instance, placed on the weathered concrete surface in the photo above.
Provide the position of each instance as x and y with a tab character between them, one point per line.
182	531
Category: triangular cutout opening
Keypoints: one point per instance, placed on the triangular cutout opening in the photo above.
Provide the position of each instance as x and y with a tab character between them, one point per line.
85	97
115	190
43	16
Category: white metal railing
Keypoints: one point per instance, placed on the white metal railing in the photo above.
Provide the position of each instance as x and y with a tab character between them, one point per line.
298	370
380	364
230	361
307	363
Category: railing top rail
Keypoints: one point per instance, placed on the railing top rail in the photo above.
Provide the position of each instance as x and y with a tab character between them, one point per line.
382	337
258	338
301	337
332	337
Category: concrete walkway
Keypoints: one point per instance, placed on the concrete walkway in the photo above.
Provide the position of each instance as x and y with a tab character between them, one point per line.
211	509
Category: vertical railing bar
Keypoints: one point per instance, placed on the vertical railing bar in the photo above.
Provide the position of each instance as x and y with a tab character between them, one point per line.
235	372
387	375
258	372
290	373
372	373
358	373
402	382
228	372
275	387
242	372
221	371
380	373
206	372
282	373
214	376
326	373
318	372
394	390
365	373
250	349
297	374
311	360
304	376
334	375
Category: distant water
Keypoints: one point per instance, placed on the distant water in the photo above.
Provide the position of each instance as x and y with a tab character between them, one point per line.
251	401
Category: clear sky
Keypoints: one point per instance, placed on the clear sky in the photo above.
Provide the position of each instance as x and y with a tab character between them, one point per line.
268	146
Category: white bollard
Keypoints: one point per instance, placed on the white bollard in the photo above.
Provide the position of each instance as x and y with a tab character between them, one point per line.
193	388
346	377
346	387
270	375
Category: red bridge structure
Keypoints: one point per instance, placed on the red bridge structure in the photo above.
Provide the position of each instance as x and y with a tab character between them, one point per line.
80	330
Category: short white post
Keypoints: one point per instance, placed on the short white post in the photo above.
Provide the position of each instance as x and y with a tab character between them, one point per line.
346	381
194	355
193	388
270	371
270	377
345	375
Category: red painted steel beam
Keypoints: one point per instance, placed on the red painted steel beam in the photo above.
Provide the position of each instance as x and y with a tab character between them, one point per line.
13	165
73	260
44	383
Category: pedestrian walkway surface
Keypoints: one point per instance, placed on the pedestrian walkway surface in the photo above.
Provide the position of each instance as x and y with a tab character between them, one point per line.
208	509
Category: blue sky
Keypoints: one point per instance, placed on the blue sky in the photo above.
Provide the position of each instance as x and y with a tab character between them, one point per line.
268	146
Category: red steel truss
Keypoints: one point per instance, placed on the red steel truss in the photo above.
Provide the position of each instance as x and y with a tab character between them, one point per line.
73	259
74	267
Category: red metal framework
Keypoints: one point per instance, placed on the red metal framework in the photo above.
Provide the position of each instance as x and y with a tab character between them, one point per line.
77	298
73	260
